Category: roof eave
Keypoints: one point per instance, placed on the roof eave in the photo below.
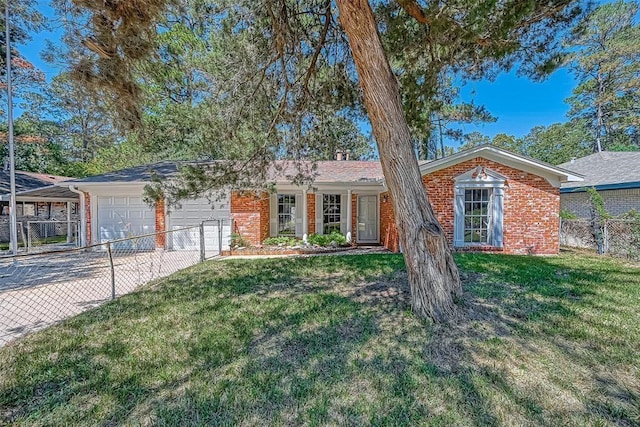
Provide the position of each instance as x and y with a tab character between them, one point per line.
503	156
602	187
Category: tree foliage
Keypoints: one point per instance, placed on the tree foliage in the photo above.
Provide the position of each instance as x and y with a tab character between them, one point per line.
294	55
24	21
605	57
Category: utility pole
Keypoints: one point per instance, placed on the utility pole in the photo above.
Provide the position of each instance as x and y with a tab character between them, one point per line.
13	220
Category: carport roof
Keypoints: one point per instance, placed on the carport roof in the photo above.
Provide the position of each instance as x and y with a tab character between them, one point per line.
50	193
35	186
28	181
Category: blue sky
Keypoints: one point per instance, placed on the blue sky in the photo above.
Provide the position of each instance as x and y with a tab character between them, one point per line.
518	103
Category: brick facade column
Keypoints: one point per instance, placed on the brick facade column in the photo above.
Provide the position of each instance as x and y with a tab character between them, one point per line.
311	213
161	237
87	216
354	218
250	213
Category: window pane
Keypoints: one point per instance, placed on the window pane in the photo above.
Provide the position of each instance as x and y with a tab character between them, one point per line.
286	214
331	209
477	215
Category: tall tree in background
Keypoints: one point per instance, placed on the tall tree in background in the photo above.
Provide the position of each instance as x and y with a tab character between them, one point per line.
432	121
559	142
84	125
605	57
26	78
36	149
299	44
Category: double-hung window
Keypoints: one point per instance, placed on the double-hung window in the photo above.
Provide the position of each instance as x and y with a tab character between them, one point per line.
286	215
479	208
478	215
331	213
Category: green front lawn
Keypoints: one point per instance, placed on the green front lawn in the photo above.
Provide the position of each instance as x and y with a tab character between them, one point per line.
331	340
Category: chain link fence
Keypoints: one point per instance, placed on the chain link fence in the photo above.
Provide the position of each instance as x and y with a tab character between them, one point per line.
620	237
42	233
39	289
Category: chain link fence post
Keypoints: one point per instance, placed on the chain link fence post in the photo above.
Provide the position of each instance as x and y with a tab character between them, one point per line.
202	244
113	274
220	225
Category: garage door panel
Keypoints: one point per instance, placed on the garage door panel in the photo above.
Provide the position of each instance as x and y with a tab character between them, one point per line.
192	213
123	217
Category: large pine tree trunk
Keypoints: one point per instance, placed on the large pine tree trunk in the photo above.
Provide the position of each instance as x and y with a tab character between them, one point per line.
433	275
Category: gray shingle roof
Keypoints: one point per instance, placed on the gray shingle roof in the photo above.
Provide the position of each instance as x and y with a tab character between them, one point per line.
27	181
605	170
327	171
142	173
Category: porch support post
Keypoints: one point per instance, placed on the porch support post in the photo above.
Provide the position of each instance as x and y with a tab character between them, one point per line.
305	219
349	225
68	222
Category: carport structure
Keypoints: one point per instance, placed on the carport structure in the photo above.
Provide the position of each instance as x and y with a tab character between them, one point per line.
38	199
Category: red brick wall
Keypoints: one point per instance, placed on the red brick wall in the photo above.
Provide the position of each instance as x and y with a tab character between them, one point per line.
388	231
87	212
531	208
354	217
160	224
311	213
250	213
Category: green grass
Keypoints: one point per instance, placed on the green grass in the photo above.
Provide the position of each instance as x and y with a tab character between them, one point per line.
332	340
44	241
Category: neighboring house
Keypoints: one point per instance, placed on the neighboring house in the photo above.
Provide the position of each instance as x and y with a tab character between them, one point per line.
485	198
615	175
37	198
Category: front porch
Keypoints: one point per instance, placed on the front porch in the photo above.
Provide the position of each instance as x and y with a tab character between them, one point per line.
300	213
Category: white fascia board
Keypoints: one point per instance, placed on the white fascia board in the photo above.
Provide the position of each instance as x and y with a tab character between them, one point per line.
554	175
44	199
109	188
103	184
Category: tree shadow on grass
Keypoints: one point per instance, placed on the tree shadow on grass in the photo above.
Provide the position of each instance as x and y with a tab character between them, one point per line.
315	341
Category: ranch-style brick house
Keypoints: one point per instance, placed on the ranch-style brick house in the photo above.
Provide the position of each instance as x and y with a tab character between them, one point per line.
486	199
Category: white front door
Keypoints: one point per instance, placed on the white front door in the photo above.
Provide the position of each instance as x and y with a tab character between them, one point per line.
368	219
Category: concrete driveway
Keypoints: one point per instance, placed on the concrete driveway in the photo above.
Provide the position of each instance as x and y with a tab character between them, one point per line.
41	289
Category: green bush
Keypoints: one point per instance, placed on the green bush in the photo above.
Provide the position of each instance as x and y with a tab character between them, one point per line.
237	241
327	239
565	214
281	241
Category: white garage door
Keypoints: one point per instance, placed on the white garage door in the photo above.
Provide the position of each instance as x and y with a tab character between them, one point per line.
122	217
191	213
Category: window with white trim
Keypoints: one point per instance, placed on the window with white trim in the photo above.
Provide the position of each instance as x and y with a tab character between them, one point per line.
286	215
477	215
479	208
331	213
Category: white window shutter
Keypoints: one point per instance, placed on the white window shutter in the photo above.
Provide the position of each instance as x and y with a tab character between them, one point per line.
319	217
299	210
458	230
497	211
343	212
273	215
